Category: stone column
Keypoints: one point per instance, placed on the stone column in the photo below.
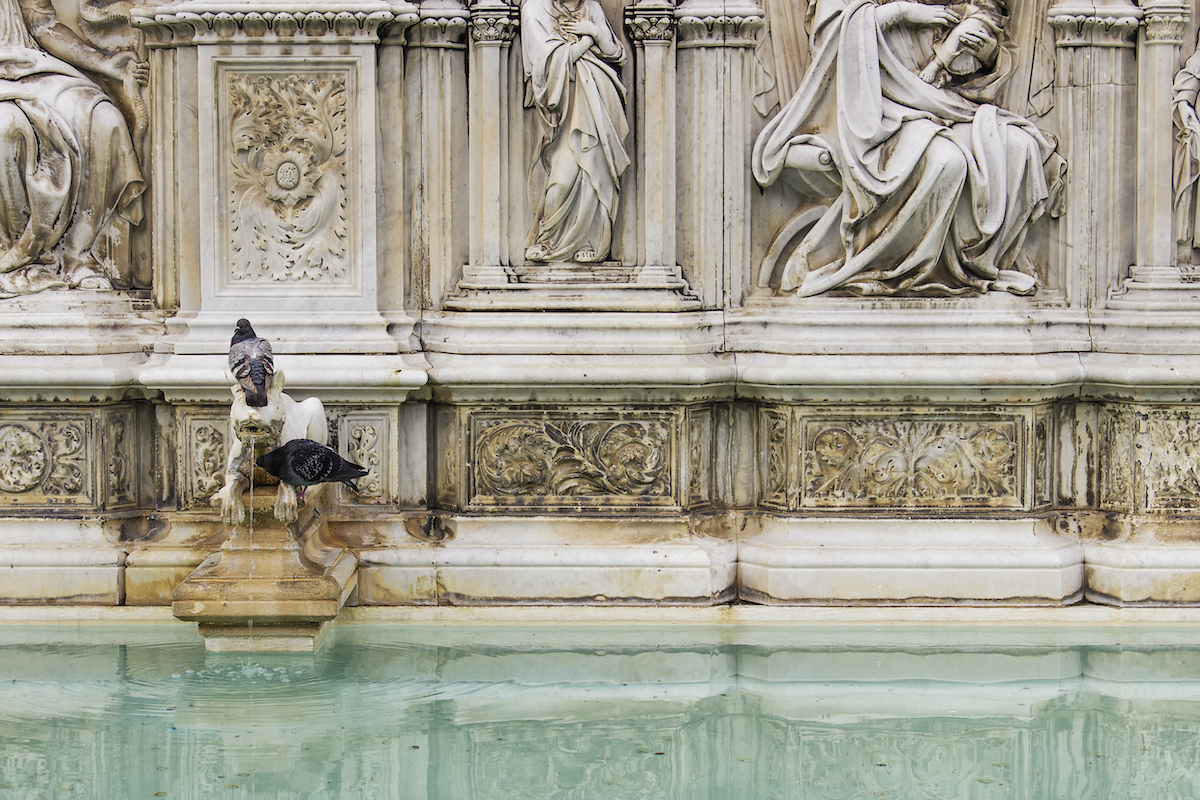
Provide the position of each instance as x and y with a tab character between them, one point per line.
435	159
1156	268
716	56
493	25
1096	97
651	27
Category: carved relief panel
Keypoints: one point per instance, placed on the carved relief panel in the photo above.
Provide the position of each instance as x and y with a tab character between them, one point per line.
202	455
888	458
284	156
589	458
367	439
1117	462
48	459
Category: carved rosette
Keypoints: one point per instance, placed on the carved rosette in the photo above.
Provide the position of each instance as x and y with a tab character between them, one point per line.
286	203
199	22
935	463
554	462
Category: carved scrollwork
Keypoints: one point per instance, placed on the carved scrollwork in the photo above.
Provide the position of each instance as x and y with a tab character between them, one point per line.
66	445
287	196
594	458
775	440
208	465
363	449
859	462
119	459
645	26
23	458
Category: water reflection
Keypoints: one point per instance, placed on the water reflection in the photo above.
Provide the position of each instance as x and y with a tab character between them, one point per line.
536	712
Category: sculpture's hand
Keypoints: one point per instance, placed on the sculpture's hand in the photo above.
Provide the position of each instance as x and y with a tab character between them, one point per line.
582	28
1187	120
917	14
123	65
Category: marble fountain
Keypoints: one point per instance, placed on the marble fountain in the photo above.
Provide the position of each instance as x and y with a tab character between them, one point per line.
618	304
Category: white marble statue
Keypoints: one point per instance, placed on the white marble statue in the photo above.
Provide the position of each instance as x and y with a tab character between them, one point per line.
67	161
569	51
1187	158
914	182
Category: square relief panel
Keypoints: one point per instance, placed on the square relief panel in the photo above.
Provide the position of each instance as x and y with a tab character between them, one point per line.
591	458
890	459
1166	448
47	459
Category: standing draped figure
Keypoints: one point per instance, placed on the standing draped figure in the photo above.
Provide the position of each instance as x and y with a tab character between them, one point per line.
1187	158
67	162
569	49
921	184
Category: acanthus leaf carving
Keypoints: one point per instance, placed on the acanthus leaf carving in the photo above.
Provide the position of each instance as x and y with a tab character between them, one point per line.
574	459
288	184
208	463
363	448
911	463
66	444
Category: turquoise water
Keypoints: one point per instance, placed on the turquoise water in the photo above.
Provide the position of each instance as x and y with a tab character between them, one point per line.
598	712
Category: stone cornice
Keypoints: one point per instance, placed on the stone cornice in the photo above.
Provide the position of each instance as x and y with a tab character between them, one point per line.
1113	23
271	21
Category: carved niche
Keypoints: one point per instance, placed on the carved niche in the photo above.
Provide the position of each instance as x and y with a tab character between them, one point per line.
288	174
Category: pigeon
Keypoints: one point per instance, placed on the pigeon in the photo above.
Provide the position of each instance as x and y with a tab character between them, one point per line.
251	363
303	462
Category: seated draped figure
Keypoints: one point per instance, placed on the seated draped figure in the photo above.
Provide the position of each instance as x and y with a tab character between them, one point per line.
68	163
913	182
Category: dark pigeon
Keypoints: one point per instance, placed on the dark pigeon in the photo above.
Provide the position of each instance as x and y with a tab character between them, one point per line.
303	462
251	363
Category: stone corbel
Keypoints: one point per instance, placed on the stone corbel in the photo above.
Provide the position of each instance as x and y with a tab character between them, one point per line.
196	21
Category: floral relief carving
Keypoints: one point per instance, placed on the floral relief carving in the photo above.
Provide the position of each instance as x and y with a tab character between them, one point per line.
288	181
208	463
699	458
66	445
23	458
363	449
573	459
118	459
1174	468
1116	452
868	462
775	434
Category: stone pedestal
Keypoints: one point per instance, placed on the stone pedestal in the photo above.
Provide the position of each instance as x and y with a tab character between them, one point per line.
271	587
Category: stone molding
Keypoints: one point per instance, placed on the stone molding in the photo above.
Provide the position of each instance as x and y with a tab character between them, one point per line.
440	30
1102	24
187	23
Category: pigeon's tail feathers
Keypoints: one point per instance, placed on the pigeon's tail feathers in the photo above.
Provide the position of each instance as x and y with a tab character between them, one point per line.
258	374
353	486
348	473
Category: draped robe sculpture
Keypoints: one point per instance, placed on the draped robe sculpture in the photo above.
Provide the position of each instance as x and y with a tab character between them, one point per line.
569	49
1185	91
67	161
914	182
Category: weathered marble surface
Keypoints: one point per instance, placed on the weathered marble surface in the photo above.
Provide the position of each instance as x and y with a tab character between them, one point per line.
656	424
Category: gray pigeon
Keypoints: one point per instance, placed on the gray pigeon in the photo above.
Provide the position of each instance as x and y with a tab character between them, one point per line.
251	363
303	462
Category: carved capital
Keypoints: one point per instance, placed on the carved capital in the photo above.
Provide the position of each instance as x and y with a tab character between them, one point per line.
493	23
703	23
440	31
650	22
1165	28
1099	24
201	21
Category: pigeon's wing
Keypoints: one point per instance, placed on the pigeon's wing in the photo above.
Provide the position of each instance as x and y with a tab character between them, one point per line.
310	462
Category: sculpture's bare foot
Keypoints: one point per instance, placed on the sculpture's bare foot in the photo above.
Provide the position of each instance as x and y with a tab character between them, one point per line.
1013	282
586	255
29	280
85	276
539	252
285	503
